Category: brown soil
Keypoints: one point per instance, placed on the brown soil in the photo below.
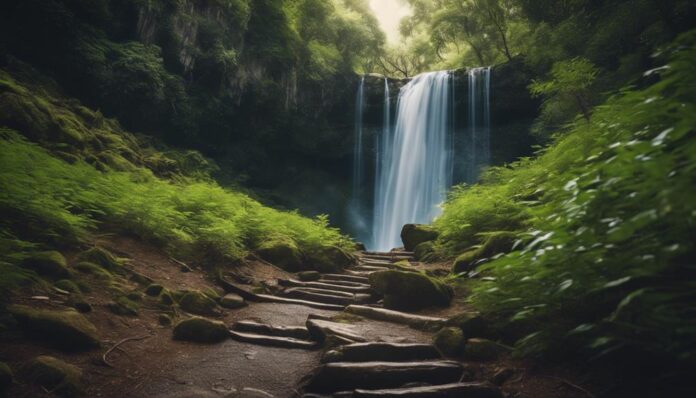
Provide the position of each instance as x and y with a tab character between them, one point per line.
161	367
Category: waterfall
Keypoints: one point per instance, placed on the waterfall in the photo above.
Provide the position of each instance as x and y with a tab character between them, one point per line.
358	168
415	159
383	153
479	80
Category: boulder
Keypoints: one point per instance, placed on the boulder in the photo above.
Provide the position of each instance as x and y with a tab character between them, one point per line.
122	305
201	330
50	264
6	376
102	257
449	341
198	303
54	375
409	290
166	298
67	330
483	350
308	276
414	234
329	258
282	252
425	251
232	301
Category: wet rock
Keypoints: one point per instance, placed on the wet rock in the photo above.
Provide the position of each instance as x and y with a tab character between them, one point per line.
449	341
483	350
414	234
154	290
451	390
281	252
50	264
308	276
198	303
320	330
410	290
102	257
67	330
471	323
54	375
201	330
329	259
6	376
232	301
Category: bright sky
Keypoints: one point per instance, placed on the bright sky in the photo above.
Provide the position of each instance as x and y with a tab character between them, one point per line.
389	14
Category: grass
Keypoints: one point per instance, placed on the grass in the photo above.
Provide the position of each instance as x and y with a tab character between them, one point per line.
605	219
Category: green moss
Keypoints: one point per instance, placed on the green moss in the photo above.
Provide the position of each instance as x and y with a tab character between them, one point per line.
409	290
329	258
198	303
103	257
166	298
495	243
282	252
449	341
67	330
425	251
49	263
164	320
94	270
68	286
55	375
124	306
201	330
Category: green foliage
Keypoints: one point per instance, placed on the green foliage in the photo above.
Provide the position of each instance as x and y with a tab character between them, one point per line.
606	258
49	200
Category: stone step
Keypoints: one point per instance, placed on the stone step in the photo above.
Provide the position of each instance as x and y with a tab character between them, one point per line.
379	263
298	293
344	278
321	329
295	332
453	390
332	292
353	288
393	252
275	341
379	351
412	320
369	268
358	273
348	376
286	300
392	258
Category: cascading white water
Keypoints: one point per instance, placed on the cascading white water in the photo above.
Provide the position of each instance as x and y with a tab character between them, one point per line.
414	167
479	121
358	168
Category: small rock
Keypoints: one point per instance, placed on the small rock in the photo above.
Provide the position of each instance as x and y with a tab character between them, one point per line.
449	341
49	263
164	320
198	303
154	290
201	330
308	276
232	301
6	376
67	330
55	375
483	350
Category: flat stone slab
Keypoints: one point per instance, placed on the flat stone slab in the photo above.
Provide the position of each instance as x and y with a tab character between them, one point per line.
453	390
379	351
381	314
285	300
327	285
295	332
275	341
320	329
345	278
347	376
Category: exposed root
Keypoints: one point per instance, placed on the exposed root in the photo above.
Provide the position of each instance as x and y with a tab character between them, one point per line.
106	354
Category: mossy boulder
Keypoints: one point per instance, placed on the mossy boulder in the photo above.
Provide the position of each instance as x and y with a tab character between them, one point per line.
154	290
232	301
164	320
93	269
329	258
198	303
6	376
102	257
449	341
67	330
414	234
55	375
166	298
141	279
50	264
68	286
478	349
307	276
471	323
200	330
124	306
410	290
425	251
495	243
282	252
